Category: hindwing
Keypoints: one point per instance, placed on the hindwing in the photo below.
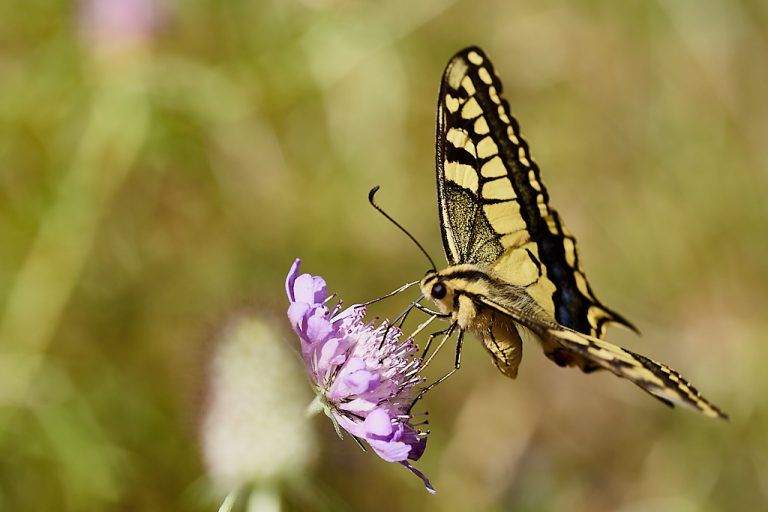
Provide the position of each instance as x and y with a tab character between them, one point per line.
657	379
494	210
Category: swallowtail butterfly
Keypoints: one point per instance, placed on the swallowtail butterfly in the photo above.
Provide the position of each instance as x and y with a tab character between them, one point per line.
515	276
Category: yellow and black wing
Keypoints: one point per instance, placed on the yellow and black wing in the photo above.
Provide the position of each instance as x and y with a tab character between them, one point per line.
658	379
494	210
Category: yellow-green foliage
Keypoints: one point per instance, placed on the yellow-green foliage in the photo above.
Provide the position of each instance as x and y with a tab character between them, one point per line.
150	186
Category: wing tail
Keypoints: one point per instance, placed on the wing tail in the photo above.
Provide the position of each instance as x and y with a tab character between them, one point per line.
607	316
655	378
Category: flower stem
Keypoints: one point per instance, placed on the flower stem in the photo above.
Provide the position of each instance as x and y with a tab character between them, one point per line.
115	127
229	501
315	406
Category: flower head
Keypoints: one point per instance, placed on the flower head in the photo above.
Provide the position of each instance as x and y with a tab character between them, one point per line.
121	22
246	374
364	376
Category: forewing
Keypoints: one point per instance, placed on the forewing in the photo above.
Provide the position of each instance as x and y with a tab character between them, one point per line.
658	379
493	208
467	234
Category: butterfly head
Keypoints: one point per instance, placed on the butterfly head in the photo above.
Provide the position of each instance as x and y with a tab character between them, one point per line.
436	287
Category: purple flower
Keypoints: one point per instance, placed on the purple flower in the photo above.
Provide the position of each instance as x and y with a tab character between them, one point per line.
120	22
364	376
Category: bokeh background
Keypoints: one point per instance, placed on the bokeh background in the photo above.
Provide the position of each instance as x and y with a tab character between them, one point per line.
163	163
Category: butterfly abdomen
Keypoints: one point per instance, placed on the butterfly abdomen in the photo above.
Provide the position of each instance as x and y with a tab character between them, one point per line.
501	339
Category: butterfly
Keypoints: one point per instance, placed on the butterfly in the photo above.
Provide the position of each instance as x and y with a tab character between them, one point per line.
514	276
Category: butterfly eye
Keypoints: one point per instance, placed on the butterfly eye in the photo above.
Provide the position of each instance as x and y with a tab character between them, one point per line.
439	291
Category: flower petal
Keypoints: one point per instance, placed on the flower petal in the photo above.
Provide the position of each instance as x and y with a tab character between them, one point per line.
332	354
354	379
361	381
417	448
327	354
320	289
390	451
378	424
421	475
297	313
353	427
358	405
291	279
318	327
309	289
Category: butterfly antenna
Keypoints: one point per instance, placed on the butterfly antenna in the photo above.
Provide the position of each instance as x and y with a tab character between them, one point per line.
393	221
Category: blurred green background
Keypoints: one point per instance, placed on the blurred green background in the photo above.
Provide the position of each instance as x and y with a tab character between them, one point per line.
161	165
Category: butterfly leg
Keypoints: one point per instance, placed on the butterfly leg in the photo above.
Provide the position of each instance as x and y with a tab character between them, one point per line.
446	334
399	321
456	366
